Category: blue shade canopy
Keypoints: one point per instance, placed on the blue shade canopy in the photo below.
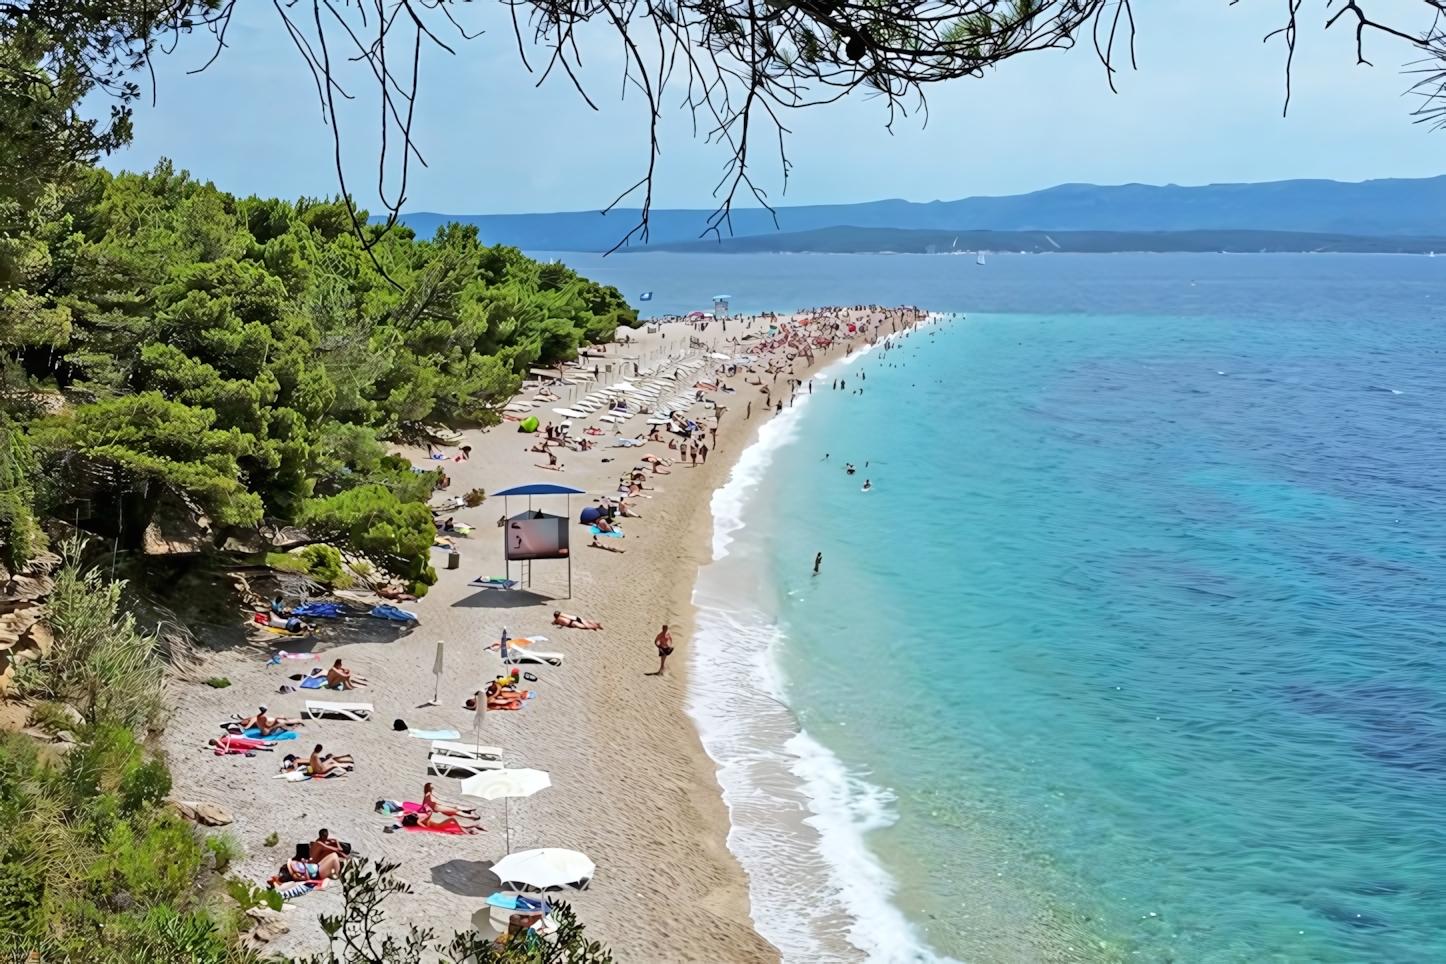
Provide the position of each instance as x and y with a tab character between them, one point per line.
540	488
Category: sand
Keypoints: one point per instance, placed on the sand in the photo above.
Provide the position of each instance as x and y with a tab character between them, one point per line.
632	786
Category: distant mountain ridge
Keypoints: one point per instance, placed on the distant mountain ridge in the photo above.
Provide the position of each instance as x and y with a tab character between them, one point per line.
852	240
1394	207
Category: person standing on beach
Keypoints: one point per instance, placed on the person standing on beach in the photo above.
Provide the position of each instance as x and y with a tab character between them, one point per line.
664	642
749	413
703	451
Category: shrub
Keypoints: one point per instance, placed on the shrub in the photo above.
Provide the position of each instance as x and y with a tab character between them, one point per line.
224	849
323	563
99	662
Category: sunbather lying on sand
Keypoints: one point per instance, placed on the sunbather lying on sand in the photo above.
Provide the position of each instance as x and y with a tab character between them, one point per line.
598	545
560	618
604	526
341	678
268	724
306	870
628	510
441	821
497	698
232	743
430	805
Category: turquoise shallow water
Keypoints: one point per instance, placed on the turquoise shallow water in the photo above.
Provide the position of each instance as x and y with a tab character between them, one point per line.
1142	623
1146	615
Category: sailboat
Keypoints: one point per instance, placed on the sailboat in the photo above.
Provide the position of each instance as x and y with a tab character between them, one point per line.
980	259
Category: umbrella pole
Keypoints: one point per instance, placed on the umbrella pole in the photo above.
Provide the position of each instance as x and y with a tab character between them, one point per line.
507	822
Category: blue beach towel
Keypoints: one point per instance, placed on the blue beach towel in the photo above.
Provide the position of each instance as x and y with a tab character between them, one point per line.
598	532
313	683
392	612
434	734
255	734
329	610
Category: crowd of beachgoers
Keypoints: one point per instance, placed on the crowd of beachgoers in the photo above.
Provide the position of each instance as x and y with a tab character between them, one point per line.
691	401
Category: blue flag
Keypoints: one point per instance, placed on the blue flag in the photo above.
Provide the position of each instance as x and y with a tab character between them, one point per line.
646	296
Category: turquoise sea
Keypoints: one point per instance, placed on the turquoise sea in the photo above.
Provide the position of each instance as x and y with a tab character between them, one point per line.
1133	653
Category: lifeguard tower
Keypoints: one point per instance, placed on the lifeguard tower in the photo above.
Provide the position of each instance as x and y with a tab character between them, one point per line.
720	307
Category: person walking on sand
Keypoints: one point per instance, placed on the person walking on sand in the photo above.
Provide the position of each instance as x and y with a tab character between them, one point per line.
817	561
703	452
749	413
664	642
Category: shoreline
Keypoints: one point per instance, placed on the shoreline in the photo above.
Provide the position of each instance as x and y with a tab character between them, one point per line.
798	815
633	786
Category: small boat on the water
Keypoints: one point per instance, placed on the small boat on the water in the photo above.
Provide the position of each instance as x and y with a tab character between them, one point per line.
980	259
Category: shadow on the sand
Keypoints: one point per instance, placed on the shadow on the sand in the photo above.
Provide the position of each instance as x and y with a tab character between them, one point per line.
468	878
502	599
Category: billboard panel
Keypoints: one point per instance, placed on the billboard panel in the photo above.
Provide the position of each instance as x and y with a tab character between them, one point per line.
536	535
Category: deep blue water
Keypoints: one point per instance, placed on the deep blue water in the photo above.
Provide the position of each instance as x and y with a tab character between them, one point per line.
1142	623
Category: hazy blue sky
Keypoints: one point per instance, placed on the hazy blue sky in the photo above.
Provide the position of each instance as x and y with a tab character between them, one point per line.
1203	107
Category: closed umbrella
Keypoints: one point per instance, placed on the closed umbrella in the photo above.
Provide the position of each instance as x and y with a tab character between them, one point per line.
548	867
436	672
506	784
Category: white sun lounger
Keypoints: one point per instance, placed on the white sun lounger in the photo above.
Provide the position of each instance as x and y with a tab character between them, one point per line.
466	751
520	654
455	766
347	711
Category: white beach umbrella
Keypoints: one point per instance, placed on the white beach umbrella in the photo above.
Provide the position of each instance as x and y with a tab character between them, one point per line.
506	784
548	867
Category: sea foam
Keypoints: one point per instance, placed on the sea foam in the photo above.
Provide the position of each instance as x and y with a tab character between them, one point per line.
798	816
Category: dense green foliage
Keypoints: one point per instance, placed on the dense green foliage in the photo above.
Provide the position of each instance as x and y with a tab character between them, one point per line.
93	866
358	936
163	339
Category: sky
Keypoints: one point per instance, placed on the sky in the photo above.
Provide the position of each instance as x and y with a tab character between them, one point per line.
1203	107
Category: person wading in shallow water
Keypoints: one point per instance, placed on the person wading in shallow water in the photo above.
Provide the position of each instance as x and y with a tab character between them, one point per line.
817	561
664	642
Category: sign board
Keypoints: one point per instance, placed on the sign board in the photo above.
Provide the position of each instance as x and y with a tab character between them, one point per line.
537	535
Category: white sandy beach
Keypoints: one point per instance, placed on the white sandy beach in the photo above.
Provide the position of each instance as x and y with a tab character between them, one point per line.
632	786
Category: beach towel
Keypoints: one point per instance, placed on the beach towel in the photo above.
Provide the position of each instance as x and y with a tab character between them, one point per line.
292	891
434	734
329	610
255	734
313	683
598	532
283	654
450	828
392	612
492	582
526	905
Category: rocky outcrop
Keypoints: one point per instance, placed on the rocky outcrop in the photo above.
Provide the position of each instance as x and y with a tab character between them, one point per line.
199	811
22	604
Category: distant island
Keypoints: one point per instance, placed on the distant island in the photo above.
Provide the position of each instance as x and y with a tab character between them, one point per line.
1399	214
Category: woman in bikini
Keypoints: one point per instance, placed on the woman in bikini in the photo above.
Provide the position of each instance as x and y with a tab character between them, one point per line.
430	805
442	821
560	618
304	871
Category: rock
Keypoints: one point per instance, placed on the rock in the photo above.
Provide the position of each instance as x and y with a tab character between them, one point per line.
269	926
13	717
206	814
177	528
